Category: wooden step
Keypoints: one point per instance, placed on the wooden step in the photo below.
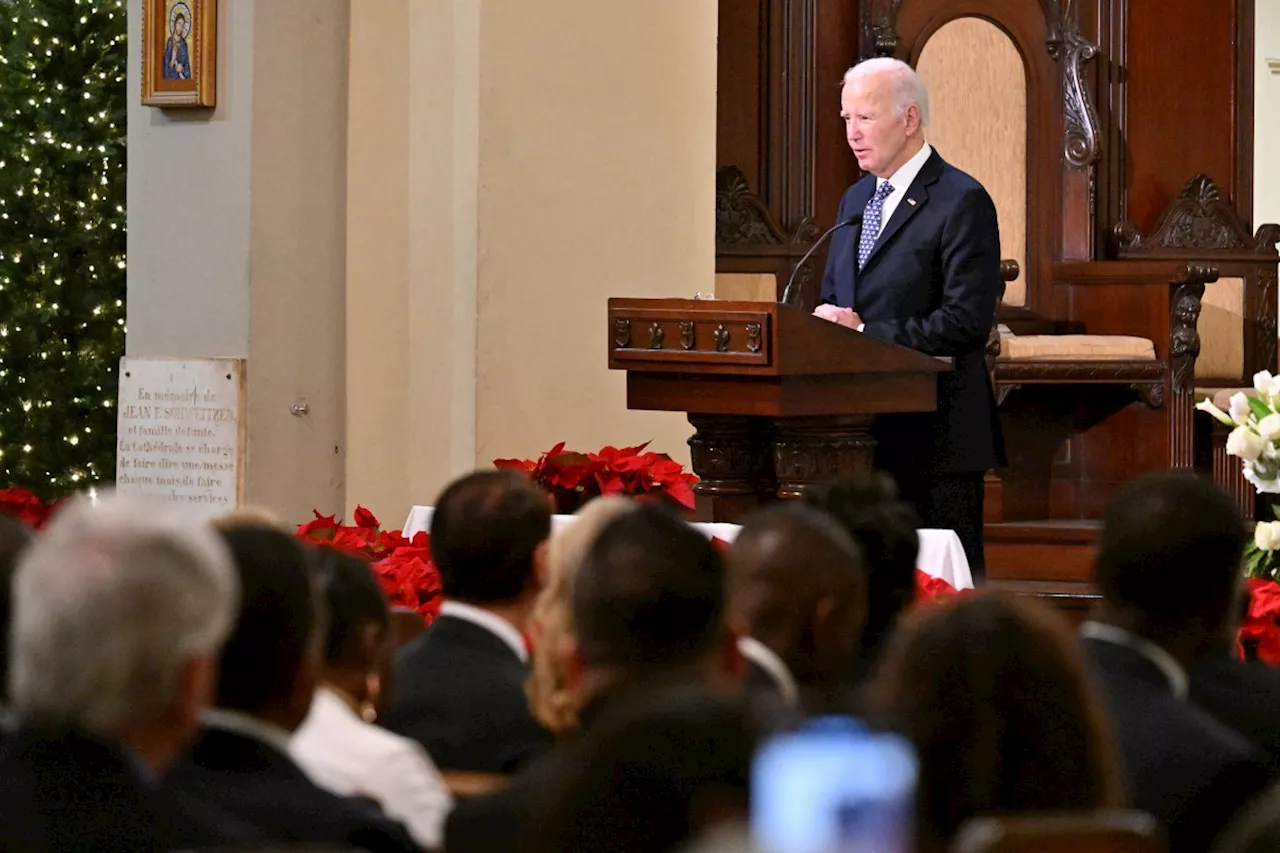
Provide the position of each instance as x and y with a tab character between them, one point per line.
1043	550
1073	599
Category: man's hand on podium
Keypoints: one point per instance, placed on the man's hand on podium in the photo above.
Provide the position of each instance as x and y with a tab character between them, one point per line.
836	314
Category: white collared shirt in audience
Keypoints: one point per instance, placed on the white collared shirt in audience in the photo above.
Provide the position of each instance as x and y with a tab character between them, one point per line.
491	622
344	754
764	657
1161	659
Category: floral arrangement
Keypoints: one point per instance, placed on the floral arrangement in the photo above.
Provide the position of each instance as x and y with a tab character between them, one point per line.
573	478
1255	440
1255	430
402	566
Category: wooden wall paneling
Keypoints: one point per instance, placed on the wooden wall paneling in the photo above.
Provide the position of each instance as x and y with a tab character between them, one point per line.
1189	102
740	105
785	149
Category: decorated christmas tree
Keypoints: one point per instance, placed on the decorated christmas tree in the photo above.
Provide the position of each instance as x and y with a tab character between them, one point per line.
62	240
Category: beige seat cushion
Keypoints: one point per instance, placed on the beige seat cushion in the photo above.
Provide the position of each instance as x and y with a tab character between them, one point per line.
1076	348
1221	397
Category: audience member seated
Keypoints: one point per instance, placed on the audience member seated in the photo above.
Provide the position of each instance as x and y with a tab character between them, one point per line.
240	760
338	746
648	611
797	591
993	693
118	614
655	776
14	538
460	686
551	624
1168	568
869	509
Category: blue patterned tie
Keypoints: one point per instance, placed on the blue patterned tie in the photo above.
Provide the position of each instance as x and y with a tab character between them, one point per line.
871	223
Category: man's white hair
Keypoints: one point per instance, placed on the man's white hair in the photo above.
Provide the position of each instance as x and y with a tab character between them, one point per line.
904	83
109	603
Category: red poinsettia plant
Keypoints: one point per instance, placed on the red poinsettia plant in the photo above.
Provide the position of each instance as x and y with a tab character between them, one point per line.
26	507
573	478
402	566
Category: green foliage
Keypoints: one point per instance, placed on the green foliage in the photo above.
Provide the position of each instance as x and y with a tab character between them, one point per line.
1264	562
62	239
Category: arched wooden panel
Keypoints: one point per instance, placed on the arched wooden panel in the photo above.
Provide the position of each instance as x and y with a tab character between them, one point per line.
978	122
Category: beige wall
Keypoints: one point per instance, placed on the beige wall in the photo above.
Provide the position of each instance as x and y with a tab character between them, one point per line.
597	158
236	224
510	167
1266	113
978	105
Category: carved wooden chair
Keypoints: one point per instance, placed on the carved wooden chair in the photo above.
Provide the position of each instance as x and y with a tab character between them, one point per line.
1237	322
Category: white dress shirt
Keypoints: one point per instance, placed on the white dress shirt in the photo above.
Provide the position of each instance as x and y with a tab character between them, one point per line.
344	754
491	622
901	181
764	657
1162	660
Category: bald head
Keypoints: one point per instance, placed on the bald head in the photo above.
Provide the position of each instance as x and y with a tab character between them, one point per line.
797	583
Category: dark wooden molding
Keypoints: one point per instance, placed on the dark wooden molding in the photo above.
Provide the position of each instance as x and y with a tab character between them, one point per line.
1184	338
742	217
1145	378
1199	219
879	35
1068	46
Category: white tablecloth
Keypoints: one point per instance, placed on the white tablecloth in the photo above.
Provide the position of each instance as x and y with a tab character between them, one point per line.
941	554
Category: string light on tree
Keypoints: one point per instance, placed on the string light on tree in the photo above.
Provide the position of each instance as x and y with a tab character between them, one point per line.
62	239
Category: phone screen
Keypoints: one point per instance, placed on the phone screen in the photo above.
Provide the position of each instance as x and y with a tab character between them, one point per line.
834	787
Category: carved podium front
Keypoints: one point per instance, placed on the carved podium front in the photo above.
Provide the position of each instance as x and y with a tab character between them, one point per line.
778	398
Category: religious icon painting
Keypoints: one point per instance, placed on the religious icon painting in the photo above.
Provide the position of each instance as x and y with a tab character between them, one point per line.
179	52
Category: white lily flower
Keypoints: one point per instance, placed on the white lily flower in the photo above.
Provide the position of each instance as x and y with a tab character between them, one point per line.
1206	406
1245	443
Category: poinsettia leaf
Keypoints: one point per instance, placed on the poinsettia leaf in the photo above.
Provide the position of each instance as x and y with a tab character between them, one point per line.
365	519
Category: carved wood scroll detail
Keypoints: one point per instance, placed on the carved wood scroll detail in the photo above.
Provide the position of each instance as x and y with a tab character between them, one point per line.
1065	43
656	336
1079	118
1184	340
1145	378
742	218
1199	218
688	334
622	332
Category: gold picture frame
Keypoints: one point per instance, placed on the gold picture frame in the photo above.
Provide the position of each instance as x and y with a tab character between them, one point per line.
179	53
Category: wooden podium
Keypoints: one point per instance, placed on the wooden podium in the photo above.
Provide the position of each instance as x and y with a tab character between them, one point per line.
778	398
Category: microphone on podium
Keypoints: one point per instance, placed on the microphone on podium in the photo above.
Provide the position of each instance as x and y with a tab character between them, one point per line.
855	219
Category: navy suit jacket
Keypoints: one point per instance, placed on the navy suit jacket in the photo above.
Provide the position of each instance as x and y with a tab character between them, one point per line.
931	284
460	693
1180	764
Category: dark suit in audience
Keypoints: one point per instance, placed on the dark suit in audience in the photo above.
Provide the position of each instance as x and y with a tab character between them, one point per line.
63	791
239	761
460	686
1181	765
460	693
648	607
1244	696
1168	568
263	787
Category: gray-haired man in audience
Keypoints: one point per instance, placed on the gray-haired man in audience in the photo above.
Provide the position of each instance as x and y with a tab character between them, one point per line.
119	612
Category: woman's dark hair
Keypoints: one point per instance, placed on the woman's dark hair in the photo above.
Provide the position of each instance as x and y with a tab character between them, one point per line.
992	692
352	598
